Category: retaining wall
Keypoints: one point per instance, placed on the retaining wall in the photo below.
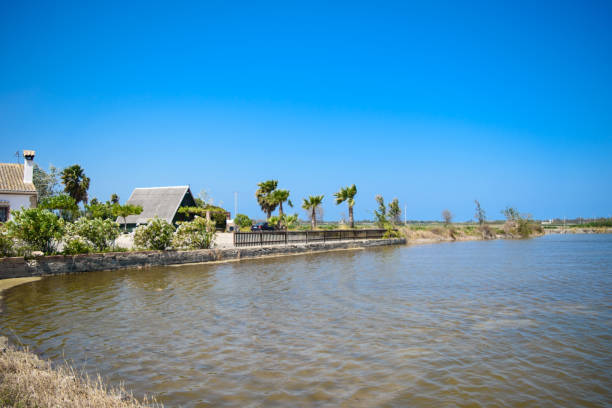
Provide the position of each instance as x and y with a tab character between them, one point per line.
60	264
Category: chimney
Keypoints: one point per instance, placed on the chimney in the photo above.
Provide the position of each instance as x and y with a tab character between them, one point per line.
28	166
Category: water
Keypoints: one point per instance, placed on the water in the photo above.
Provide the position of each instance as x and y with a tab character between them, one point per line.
500	323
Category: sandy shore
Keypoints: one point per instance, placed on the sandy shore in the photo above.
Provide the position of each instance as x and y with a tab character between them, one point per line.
9	283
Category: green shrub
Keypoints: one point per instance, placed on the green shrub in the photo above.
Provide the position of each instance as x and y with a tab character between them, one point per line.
37	228
7	246
197	234
243	221
286	221
77	245
391	232
99	233
157	234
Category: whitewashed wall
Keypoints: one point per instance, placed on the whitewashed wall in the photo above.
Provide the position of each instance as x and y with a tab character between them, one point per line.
16	201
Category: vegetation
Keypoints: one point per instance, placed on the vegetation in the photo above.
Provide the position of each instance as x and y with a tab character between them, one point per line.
519	224
7	246
76	245
347	194
45	182
98	234
39	229
96	209
65	206
209	211
381	213
156	235
284	221
447	217
28	382
277	198
480	214
196	234
394	211
601	223
311	205
76	183
125	211
263	194
243	221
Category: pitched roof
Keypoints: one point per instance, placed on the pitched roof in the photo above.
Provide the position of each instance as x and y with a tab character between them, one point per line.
11	179
162	202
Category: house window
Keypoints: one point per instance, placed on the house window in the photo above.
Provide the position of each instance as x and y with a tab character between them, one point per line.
4	214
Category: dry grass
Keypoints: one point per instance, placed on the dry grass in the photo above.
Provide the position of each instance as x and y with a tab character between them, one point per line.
27	381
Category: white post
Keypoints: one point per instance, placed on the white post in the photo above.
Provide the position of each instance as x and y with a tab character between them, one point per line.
235	204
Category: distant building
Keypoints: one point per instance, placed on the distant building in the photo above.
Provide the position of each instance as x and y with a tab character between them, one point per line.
17	186
161	202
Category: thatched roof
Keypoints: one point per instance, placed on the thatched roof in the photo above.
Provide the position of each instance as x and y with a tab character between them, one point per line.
162	202
11	179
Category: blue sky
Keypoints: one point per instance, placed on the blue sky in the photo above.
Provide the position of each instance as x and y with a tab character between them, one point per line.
435	103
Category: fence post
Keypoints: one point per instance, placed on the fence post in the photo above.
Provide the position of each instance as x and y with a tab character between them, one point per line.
306	236
286	233
261	238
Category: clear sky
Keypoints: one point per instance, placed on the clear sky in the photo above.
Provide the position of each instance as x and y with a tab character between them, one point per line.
435	103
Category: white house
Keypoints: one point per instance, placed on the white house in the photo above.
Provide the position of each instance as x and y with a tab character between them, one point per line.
16	186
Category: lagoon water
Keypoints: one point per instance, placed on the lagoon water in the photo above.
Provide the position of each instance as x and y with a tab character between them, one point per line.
498	323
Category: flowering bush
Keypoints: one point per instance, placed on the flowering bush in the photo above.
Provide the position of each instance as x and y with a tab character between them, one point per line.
76	245
157	234
7	246
99	234
197	234
38	229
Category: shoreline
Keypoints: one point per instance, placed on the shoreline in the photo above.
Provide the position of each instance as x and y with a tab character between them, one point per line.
18	267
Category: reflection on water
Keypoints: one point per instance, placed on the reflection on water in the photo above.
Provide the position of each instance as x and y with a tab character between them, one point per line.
501	323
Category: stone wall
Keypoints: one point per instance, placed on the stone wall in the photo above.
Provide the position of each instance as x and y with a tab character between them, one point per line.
60	264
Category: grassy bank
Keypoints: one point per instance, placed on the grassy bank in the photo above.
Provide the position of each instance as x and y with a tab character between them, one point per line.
437	232
28	381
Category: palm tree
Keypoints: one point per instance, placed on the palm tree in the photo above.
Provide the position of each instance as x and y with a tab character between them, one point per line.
347	194
311	204
277	198
76	183
262	194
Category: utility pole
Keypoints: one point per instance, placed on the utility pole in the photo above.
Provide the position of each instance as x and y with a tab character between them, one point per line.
404	214
235	204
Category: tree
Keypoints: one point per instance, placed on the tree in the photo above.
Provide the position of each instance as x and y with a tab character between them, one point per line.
310	205
394	211
65	206
277	198
347	194
208	211
125	211
45	182
381	213
76	183
104	211
447	216
243	221
114	199
262	194
38	228
480	214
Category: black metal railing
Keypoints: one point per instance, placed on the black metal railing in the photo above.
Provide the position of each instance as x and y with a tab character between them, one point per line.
261	238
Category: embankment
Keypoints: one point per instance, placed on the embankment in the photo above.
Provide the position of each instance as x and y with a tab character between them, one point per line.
19	267
28	381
